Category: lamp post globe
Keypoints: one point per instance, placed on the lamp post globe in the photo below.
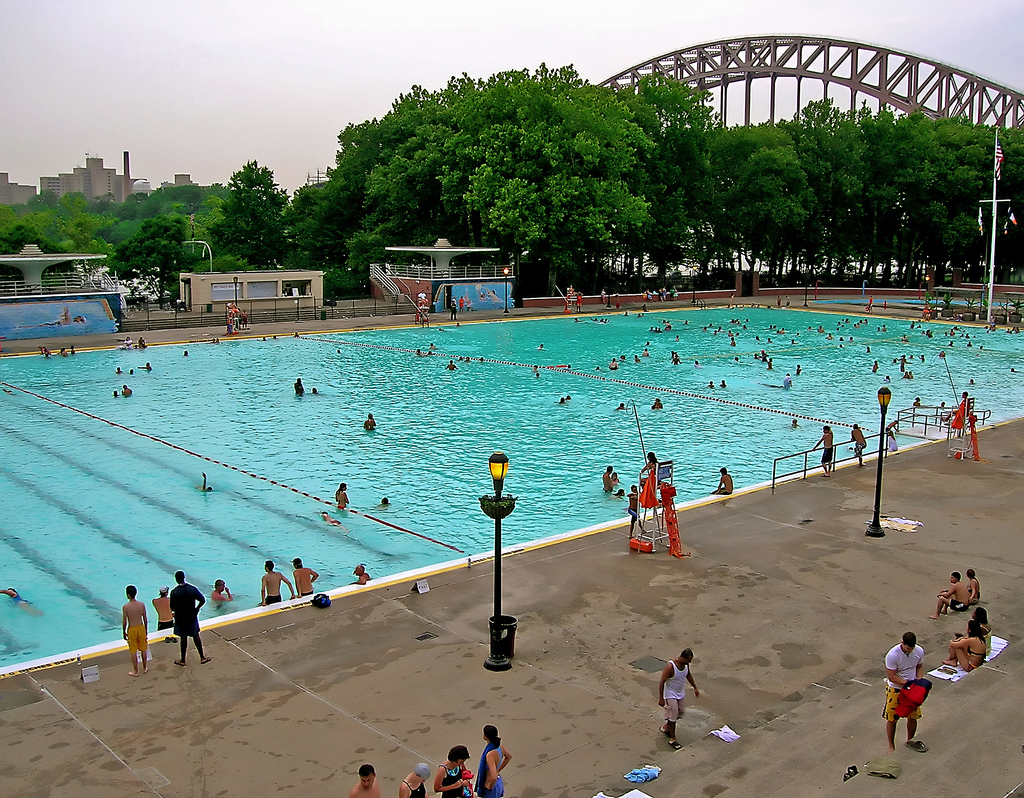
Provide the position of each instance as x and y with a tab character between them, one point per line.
874	529
506	290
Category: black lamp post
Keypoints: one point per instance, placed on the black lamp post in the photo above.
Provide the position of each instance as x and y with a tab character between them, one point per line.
874	529
236	290
806	287
501	627
506	290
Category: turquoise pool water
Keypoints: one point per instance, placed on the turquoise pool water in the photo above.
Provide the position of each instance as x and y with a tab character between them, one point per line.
90	507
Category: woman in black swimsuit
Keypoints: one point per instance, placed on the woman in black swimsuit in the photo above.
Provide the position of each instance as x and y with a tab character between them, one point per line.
448	780
414	784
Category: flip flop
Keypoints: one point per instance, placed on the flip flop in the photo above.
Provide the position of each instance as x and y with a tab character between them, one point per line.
917	745
179	662
204	660
676	745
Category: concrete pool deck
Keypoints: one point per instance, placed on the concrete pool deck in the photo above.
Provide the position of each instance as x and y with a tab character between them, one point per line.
788	607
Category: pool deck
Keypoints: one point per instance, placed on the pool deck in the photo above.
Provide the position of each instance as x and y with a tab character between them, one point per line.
788	607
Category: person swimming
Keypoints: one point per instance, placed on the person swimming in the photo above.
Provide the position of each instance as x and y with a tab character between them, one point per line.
21	603
206	488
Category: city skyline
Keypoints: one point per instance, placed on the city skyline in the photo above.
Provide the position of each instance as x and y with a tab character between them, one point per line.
199	89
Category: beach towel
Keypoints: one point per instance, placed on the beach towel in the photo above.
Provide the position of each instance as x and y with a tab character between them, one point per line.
954	673
648	495
640	775
883	766
901	524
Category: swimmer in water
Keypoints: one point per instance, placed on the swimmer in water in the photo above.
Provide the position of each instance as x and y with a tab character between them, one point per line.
332	521
384	502
21	603
206	488
370	424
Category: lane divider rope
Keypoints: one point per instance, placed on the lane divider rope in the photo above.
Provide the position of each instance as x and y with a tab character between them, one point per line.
567	370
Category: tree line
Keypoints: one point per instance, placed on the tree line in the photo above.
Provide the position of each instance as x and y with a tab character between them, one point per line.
578	184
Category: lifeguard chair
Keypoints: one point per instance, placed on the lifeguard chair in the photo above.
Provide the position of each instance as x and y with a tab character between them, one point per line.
652	528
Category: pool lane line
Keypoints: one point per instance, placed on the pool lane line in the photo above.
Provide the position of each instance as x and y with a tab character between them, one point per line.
225	465
104	609
567	370
97	526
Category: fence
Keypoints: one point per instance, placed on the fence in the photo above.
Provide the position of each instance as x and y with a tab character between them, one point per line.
284	310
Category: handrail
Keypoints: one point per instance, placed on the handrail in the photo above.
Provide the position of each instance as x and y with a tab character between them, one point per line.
804	469
700	303
389	285
60	285
937	417
496	271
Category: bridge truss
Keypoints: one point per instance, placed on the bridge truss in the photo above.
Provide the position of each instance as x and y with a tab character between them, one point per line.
901	81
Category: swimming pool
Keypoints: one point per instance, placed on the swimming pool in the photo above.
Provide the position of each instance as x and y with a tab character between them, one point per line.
92	507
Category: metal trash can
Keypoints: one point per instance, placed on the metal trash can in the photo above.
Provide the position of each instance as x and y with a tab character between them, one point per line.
503	635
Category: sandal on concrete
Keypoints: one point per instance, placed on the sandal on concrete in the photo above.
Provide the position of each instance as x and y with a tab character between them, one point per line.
676	745
917	745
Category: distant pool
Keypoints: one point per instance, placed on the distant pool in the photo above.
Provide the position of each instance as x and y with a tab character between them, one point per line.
91	507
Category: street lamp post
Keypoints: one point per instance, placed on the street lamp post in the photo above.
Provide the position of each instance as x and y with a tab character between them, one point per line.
235	278
806	287
501	627
506	290
874	529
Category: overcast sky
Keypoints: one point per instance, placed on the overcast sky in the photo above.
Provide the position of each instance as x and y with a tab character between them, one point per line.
203	87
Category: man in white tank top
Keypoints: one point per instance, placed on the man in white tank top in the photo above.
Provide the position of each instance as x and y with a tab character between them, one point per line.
672	693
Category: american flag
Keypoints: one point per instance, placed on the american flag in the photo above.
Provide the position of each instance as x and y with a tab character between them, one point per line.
999	160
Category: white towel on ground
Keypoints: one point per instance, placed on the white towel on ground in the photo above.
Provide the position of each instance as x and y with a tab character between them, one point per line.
725	733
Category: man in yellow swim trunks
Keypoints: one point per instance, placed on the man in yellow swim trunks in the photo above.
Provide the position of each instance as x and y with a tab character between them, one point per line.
133	626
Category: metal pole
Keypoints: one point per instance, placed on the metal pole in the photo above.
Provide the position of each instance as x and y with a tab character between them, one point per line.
806	287
992	253
874	529
497	562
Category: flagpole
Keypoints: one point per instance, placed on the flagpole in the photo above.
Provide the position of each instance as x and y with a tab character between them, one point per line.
995	205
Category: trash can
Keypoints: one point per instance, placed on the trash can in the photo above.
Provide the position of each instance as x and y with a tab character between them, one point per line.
323	315
503	635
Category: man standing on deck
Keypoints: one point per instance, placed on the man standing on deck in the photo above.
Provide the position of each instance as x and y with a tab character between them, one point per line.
133	627
859	442
186	601
903	663
825	441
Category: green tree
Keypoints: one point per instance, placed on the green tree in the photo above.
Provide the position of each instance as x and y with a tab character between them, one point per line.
151	260
252	226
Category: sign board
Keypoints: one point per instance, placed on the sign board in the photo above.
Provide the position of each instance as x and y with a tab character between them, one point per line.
421	586
91	674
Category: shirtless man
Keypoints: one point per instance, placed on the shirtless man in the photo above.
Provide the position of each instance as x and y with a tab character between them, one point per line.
367	786
606	480
954	597
975	586
859	442
724	485
825	441
270	587
369	425
361	576
164	616
341	497
133	627
304	578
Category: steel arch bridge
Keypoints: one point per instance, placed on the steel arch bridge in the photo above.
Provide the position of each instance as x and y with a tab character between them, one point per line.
902	81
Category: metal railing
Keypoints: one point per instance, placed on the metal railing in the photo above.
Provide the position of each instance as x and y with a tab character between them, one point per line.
700	303
381	277
68	284
496	271
924	418
805	466
149	319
